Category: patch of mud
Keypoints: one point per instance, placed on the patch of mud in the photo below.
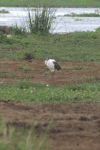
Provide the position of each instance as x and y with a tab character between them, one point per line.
76	126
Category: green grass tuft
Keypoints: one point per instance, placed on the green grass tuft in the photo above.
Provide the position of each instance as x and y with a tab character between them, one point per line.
46	73
25	68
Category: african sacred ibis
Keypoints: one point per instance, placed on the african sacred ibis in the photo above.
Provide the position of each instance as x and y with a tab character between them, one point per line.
52	65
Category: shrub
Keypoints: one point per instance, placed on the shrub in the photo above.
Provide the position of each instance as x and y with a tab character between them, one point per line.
41	23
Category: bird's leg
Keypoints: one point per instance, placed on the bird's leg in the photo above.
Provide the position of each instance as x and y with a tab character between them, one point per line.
52	74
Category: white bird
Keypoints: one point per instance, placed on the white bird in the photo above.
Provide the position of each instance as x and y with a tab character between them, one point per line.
52	65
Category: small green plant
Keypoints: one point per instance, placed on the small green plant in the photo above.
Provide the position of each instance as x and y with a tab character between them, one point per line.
20	66
46	73
26	68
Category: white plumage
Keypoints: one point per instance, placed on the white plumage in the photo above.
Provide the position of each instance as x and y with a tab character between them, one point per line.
52	65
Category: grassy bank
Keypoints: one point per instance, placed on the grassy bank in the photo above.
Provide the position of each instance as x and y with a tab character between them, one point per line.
77	46
51	3
82	15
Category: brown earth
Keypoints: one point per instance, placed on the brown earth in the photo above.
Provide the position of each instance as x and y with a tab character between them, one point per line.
76	126
68	74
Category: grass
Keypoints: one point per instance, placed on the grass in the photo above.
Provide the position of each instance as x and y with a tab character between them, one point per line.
79	68
77	46
91	77
82	15
51	3
28	92
46	73
20	66
8	75
19	30
25	68
20	139
41	23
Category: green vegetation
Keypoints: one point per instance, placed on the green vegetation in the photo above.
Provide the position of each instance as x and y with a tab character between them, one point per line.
46	73
82	15
77	46
22	139
42	22
8	75
28	92
51	3
25	68
79	68
91	77
19	30
4	11
20	66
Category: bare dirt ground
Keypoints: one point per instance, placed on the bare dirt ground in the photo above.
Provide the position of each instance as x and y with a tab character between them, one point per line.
66	76
76	126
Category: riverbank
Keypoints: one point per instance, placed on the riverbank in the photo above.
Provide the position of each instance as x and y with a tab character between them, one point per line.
53	3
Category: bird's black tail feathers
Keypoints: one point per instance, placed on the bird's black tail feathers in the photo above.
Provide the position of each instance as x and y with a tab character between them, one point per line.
57	66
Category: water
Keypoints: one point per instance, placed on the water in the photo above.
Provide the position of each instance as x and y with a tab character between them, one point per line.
60	24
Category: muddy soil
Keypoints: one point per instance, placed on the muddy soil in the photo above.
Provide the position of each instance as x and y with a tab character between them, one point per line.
76	126
68	75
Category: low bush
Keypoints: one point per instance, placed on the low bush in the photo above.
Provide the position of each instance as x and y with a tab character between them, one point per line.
41	23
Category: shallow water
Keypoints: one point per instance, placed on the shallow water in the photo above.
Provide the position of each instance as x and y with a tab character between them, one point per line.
60	24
